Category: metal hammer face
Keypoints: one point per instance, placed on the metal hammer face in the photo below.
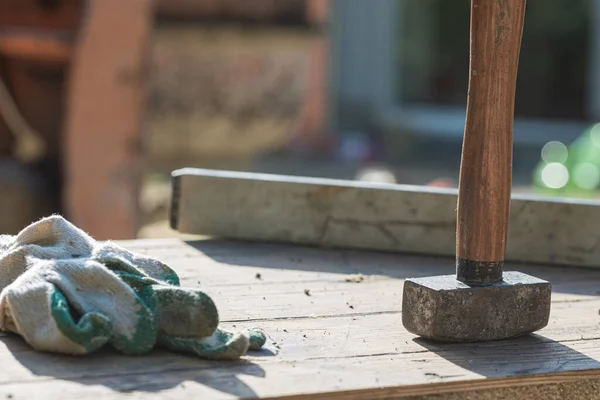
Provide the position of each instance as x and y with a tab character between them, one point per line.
445	309
479	303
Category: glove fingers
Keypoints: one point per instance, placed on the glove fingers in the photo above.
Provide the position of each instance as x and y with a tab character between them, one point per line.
91	332
257	338
221	345
185	313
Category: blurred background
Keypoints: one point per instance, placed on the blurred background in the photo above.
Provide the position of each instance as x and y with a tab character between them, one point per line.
101	99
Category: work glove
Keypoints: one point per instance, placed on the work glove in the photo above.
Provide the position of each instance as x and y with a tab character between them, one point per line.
64	292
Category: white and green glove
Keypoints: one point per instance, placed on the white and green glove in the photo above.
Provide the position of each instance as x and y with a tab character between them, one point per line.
64	292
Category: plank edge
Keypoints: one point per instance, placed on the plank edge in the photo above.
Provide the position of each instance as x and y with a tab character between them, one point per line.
452	387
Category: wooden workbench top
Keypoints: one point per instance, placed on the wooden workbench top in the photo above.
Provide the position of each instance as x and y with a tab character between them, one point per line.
334	322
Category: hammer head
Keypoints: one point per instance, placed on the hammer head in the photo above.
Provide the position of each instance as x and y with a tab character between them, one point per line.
444	309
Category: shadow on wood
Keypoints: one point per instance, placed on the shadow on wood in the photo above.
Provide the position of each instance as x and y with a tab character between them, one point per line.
334	337
393	265
534	354
153	372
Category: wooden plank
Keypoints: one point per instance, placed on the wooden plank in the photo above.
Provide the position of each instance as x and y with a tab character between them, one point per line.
583	385
324	338
386	361
106	102
320	348
220	263
340	337
239	382
397	218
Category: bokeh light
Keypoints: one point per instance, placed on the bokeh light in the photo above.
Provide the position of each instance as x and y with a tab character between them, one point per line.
555	152
586	175
555	175
375	174
595	134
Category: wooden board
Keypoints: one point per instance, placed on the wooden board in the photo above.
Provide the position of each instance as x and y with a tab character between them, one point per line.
106	101
349	214
344	340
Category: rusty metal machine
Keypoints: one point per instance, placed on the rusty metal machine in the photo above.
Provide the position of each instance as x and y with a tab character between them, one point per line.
72	76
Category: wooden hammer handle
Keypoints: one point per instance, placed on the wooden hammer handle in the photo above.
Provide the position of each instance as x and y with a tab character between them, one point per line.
486	167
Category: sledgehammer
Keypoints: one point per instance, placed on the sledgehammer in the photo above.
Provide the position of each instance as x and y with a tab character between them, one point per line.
480	302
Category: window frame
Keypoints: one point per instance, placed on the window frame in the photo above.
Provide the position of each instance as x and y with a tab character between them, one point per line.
362	44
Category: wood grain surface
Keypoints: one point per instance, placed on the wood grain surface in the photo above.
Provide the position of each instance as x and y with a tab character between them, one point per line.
363	215
342	340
